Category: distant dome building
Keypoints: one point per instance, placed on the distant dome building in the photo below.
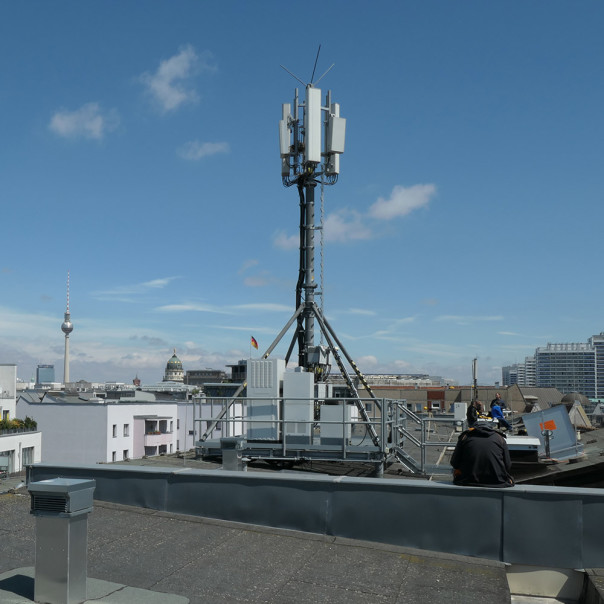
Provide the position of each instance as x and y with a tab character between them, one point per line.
174	372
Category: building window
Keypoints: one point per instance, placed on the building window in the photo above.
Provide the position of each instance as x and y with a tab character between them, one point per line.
126	429
114	430
27	456
170	447
171	426
178	424
126	456
113	456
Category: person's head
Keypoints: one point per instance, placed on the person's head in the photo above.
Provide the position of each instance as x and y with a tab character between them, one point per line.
478	405
498	396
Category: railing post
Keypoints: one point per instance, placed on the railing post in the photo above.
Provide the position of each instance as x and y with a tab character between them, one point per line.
423	446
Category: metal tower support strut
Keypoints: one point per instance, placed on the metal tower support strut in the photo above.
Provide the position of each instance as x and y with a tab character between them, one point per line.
328	333
222	413
348	357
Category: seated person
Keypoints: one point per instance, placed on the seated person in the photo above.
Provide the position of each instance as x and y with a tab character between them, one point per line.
497	413
482	458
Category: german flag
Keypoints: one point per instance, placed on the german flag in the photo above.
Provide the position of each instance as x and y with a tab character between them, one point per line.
254	343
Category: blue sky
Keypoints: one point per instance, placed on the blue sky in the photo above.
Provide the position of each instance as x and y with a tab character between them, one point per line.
139	151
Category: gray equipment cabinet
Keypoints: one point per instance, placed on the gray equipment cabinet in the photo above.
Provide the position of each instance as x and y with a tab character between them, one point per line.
232	453
61	507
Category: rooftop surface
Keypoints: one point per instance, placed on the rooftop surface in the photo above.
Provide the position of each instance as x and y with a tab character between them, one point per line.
216	561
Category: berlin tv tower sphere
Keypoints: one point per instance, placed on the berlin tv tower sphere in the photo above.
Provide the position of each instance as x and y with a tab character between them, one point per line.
67	326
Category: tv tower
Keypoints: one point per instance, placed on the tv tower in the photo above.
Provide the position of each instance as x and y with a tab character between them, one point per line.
67	328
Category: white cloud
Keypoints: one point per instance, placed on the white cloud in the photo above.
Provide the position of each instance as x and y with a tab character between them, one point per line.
286	242
135	288
169	85
224	310
196	150
368	361
193	307
247	265
251	330
350	225
345	226
268	306
402	201
89	121
256	281
361	311
464	320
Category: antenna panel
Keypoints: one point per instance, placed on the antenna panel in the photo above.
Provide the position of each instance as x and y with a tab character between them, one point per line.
336	134
312	125
285	165
333	164
283	138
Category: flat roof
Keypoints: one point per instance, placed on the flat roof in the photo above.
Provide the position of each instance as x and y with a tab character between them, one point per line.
223	562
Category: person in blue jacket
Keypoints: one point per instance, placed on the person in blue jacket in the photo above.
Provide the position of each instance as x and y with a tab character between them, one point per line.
497	413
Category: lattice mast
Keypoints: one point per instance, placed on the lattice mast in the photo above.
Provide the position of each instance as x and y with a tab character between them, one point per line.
311	140
311	137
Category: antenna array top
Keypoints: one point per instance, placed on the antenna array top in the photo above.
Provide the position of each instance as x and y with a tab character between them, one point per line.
311	144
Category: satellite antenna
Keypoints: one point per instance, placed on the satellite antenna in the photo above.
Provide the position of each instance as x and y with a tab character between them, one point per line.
311	140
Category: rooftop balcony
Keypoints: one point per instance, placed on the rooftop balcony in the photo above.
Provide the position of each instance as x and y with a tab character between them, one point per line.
155	439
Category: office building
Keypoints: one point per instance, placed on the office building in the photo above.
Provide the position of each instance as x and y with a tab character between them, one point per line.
572	367
45	374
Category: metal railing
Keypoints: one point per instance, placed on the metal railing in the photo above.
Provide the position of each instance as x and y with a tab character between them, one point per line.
402	434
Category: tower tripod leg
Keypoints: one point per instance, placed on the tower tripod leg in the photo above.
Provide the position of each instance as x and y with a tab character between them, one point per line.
348	358
359	403
283	331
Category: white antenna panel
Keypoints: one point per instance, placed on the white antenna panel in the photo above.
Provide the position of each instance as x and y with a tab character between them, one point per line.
284	132
312	125
336	134
283	138
333	164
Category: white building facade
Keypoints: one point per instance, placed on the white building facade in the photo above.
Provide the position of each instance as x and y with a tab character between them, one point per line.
100	431
18	446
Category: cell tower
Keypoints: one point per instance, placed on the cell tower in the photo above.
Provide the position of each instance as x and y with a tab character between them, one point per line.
66	328
311	140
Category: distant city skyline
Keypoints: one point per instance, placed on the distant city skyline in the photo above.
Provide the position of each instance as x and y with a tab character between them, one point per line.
140	153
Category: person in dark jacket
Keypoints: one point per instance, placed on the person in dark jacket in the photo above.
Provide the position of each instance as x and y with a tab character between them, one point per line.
482	458
472	413
498	401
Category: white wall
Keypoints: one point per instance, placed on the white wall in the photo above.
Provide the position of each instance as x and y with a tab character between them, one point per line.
13	445
123	413
82	433
186	441
71	433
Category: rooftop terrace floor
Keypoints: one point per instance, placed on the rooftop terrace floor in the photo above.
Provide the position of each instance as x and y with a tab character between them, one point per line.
217	561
